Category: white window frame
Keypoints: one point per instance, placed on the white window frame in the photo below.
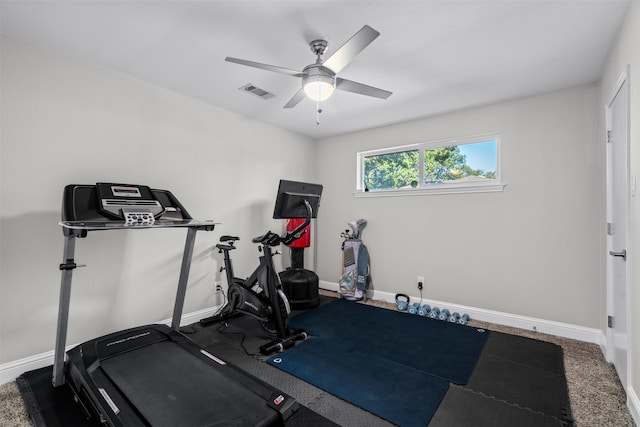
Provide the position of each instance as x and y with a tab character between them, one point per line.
440	188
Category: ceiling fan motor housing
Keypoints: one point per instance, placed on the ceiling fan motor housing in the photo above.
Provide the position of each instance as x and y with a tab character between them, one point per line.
318	82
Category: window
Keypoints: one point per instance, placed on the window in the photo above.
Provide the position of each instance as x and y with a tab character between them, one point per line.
453	166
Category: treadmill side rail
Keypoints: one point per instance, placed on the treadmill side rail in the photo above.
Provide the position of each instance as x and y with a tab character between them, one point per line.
184	278
63	310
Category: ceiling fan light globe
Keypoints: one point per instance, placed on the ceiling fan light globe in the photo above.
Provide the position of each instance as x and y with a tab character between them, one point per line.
318	88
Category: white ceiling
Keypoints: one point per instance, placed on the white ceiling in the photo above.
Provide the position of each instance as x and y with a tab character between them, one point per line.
435	56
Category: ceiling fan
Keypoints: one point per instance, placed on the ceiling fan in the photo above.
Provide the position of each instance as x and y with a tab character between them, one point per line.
320	78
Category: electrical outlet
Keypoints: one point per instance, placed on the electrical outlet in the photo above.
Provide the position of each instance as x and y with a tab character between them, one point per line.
420	282
218	287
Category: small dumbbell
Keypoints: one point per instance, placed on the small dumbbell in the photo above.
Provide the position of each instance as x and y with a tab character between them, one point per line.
463	319
444	314
424	310
413	308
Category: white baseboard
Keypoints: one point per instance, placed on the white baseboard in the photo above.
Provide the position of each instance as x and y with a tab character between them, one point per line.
633	403
565	330
12	370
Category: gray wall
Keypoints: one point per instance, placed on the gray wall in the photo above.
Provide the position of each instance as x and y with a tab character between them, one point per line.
68	122
626	52
534	249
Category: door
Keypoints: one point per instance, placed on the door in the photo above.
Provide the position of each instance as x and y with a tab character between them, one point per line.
617	115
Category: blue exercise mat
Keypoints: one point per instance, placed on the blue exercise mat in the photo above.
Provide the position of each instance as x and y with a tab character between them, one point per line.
395	365
439	348
385	389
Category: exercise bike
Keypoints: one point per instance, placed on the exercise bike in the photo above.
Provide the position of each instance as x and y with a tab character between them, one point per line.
261	295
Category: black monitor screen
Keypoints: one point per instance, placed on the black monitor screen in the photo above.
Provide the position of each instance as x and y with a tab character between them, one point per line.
291	197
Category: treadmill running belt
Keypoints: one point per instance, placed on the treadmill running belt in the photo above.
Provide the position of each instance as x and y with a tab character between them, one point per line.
172	387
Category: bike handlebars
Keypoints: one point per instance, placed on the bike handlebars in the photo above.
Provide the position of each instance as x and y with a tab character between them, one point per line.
273	239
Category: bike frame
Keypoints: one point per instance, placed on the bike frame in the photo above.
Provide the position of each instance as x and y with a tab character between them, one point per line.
265	274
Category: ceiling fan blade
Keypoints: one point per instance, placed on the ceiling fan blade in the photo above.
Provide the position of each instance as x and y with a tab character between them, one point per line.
356	44
267	67
299	96
362	89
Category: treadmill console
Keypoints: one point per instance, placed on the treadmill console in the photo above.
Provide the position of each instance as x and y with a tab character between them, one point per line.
135	204
124	204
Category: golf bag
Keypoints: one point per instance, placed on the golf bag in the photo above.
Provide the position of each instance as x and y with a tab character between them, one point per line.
355	263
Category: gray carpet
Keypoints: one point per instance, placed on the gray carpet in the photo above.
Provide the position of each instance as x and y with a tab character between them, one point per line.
597	397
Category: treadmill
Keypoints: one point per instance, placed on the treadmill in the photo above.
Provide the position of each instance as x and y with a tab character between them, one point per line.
151	375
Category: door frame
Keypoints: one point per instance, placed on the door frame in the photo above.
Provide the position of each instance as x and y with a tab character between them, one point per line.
610	307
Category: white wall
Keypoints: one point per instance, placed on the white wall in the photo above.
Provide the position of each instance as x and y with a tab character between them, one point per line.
534	249
69	122
626	51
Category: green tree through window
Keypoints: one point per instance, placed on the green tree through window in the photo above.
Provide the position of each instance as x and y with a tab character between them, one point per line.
449	164
393	170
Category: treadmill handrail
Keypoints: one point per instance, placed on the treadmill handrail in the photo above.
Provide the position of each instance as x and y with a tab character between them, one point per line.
115	225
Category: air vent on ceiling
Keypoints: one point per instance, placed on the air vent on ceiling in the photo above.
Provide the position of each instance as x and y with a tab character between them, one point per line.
261	93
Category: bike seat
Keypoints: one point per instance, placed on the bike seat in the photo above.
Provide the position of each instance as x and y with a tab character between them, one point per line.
226	238
225	247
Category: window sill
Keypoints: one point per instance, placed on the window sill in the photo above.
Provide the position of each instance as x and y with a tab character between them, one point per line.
433	189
